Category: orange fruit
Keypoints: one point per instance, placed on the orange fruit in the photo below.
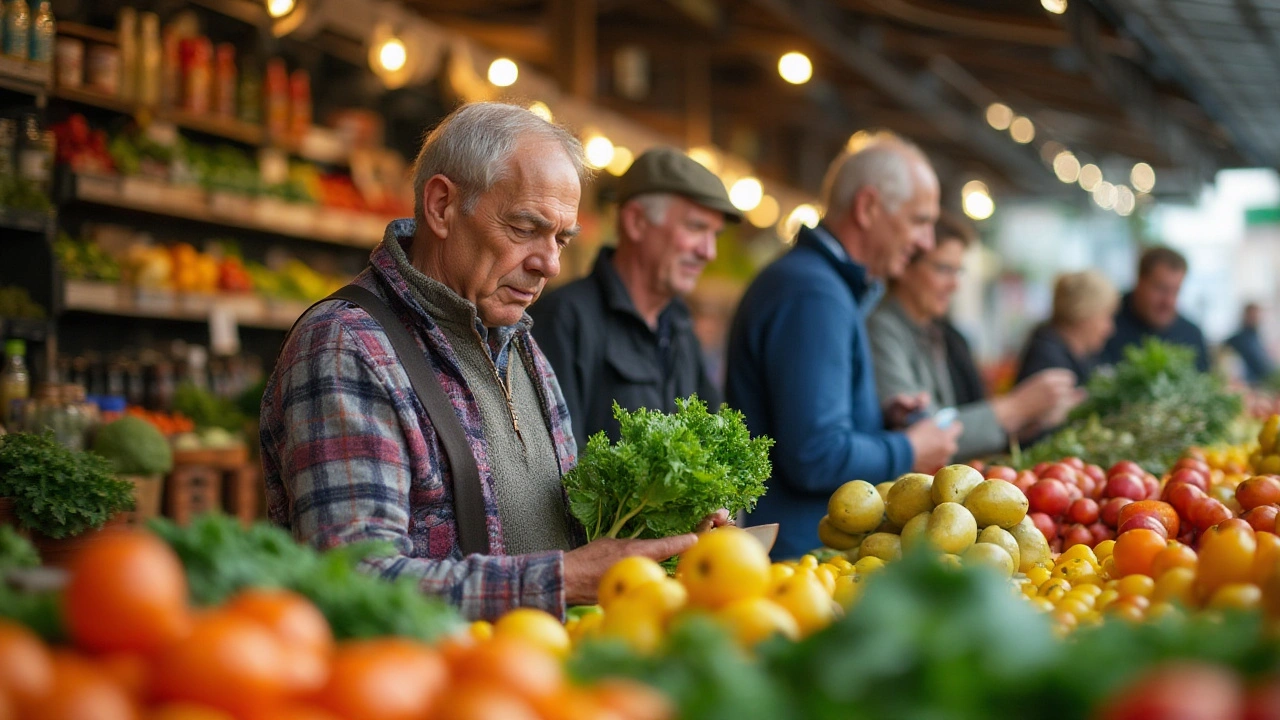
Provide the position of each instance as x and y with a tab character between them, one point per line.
127	593
386	678
1160	510
229	661
300	627
290	712
573	703
515	665
1258	491
80	691
726	564
485	702
1174	555
1226	556
1135	550
1266	559
633	700
26	667
184	711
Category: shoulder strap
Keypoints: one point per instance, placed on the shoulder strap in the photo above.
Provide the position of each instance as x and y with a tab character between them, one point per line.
468	498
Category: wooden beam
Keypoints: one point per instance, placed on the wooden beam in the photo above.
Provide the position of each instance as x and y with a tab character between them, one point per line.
697	95
573	25
523	42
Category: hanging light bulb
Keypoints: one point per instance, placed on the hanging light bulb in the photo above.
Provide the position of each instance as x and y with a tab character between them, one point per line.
765	214
976	200
746	193
622	158
599	151
999	116
1105	195
279	8
392	55
539	108
1090	176
1066	166
1125	201
503	72
1022	130
1143	178
1057	7
795	68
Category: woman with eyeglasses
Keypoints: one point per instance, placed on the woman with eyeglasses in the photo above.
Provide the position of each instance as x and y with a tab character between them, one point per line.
916	352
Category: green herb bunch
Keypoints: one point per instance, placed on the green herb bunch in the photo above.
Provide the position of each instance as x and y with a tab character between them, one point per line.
1150	408
57	491
667	472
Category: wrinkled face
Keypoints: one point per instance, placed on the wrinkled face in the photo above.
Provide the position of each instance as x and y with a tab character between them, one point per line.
1097	329
931	279
679	248
1155	297
897	236
501	254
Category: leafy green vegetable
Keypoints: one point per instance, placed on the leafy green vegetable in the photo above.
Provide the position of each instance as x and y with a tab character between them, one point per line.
1150	408
16	552
134	446
56	491
667	472
41	612
222	557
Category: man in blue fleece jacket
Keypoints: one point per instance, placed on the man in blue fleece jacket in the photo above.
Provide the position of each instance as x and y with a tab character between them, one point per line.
799	358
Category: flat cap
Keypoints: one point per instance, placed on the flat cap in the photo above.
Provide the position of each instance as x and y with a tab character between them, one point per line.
668	170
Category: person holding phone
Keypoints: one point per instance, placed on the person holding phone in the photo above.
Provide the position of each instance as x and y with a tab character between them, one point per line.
913	356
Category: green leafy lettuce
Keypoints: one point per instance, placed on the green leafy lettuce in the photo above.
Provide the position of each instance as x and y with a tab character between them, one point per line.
667	472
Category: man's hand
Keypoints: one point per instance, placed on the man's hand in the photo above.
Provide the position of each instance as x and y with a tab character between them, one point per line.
584	566
719	518
898	409
933	446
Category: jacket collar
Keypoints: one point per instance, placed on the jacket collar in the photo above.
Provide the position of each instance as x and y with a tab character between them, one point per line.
616	296
866	289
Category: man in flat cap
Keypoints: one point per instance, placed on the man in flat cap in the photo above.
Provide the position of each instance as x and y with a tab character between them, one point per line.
623	332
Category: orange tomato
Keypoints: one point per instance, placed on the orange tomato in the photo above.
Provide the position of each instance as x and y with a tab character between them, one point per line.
289	712
1258	491
1262	518
80	691
512	664
127	593
1162	511
1135	550
633	700
485	702
1266	559
1226	556
7	709
302	630
228	662
573	703
26	667
183	711
131	672
386	678
1173	556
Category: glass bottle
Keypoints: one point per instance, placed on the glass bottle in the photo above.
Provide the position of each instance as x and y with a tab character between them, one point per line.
43	33
17	29
15	383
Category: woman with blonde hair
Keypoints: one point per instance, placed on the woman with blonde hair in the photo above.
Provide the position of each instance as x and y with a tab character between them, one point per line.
1084	308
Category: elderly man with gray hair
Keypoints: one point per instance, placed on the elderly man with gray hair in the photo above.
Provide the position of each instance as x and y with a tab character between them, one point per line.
623	333
800	363
413	406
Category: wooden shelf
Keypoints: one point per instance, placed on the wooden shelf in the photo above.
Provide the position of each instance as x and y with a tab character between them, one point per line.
232	129
111	299
25	77
306	222
101	36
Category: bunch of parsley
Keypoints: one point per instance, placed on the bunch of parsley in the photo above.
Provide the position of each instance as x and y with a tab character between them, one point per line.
667	472
57	491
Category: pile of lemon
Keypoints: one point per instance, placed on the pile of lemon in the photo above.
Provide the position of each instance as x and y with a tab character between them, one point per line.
955	511
726	576
1265	459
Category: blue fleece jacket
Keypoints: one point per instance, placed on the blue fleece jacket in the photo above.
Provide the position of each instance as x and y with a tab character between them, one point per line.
799	368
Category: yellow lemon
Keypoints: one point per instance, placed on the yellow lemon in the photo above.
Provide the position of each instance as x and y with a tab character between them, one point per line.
753	620
804	596
909	496
726	564
855	508
627	574
536	627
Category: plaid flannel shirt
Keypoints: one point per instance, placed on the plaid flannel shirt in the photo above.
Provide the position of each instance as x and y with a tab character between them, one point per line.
349	454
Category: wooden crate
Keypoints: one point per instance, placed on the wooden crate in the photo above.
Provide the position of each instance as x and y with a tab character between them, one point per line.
204	481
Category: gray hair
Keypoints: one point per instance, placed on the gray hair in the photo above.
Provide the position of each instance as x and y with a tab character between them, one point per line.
472	147
882	161
655	205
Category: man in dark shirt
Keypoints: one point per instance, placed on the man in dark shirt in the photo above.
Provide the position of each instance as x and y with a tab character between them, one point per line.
1151	309
623	332
1247	342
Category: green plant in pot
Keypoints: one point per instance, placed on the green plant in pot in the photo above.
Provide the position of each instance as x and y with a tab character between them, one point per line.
59	494
140	454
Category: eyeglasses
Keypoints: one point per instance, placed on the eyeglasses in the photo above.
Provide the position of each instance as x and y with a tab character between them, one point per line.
945	270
